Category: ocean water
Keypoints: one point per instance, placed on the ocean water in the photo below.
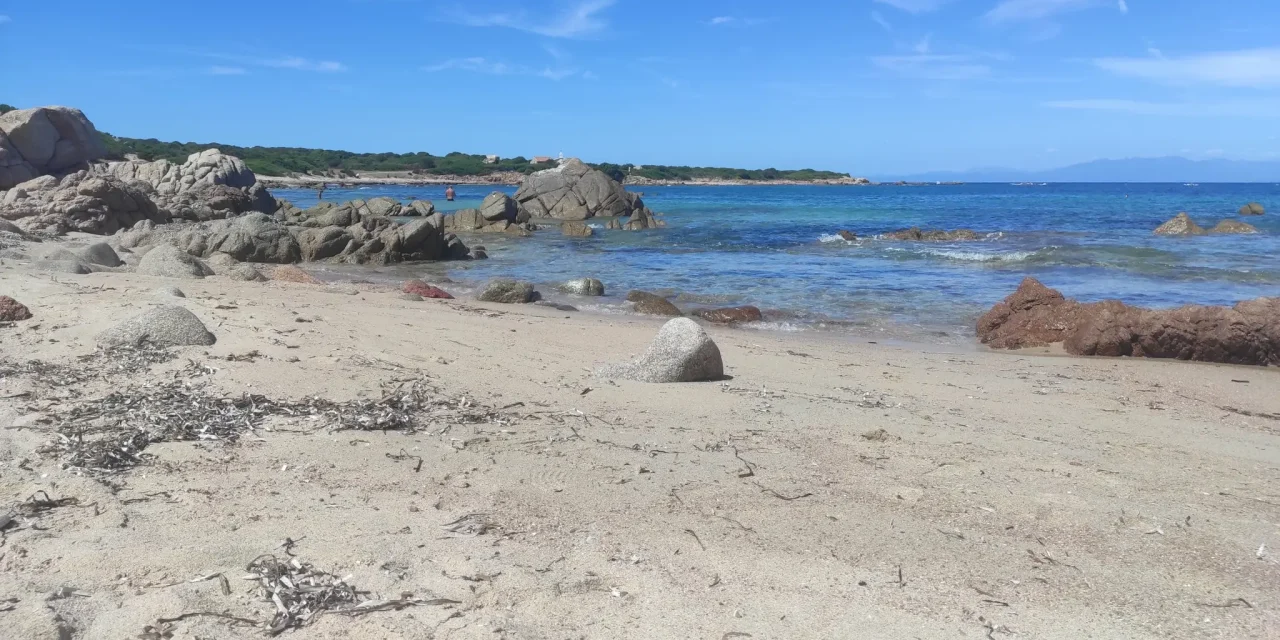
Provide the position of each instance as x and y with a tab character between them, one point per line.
776	247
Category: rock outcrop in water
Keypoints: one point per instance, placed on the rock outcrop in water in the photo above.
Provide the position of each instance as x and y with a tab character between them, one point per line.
1252	209
44	141
1035	315
652	305
730	315
1180	225
916	234
1233	226
575	191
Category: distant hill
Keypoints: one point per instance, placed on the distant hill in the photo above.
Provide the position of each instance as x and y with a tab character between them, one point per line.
1171	169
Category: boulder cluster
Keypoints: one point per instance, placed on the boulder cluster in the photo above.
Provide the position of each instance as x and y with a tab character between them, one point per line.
1036	316
1183	225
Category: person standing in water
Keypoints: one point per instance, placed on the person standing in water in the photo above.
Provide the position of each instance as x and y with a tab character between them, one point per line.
448	193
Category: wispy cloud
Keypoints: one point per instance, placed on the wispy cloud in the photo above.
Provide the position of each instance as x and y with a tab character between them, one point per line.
498	68
879	19
915	6
219	70
1254	68
4	19
734	21
296	63
1010	11
1242	108
580	20
934	67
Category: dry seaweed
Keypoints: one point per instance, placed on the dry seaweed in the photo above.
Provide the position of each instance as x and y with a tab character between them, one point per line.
301	593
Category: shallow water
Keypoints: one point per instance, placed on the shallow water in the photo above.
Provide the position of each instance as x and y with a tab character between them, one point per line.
776	248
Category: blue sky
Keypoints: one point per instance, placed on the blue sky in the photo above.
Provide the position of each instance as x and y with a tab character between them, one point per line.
873	87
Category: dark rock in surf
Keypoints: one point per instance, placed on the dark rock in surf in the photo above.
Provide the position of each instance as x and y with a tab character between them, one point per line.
652	305
1252	209
730	315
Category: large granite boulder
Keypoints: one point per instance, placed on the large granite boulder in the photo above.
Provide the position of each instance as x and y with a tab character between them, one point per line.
681	352
251	238
209	185
45	140
12	311
575	191
167	326
498	207
1180	225
576	229
1035	315
81	201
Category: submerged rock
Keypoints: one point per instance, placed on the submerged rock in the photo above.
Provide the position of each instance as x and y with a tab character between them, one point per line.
582	287
1180	225
171	262
1252	209
168	326
916	234
11	310
507	291
652	305
1035	315
1233	226
730	315
681	352
574	229
848	236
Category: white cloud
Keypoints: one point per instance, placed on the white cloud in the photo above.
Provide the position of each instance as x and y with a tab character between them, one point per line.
303	64
934	67
1031	10
1245	68
1246	108
1123	6
879	19
4	19
578	21
219	70
1155	53
915	6
719	20
498	68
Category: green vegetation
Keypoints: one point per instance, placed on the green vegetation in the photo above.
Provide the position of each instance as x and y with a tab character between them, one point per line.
282	161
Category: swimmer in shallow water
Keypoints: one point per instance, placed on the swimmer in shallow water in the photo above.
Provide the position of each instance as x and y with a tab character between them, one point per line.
449	193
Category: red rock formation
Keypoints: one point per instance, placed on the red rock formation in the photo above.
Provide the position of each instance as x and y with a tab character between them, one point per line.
1035	315
425	290
12	310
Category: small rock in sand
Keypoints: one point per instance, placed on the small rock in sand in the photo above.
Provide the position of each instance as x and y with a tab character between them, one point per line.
73	267
221	262
411	297
170	292
290	273
507	291
167	326
425	290
583	287
652	305
100	253
556	306
169	261
682	352
244	273
11	310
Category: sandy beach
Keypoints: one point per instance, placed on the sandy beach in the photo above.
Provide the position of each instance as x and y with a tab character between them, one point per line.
829	488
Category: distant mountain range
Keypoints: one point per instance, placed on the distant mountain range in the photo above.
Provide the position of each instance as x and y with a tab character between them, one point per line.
1171	169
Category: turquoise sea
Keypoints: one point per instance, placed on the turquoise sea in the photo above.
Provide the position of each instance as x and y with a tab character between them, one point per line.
775	247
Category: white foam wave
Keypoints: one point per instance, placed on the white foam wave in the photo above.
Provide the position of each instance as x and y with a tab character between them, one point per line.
830	238
980	256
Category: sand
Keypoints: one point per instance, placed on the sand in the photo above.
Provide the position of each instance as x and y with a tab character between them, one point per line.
832	488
